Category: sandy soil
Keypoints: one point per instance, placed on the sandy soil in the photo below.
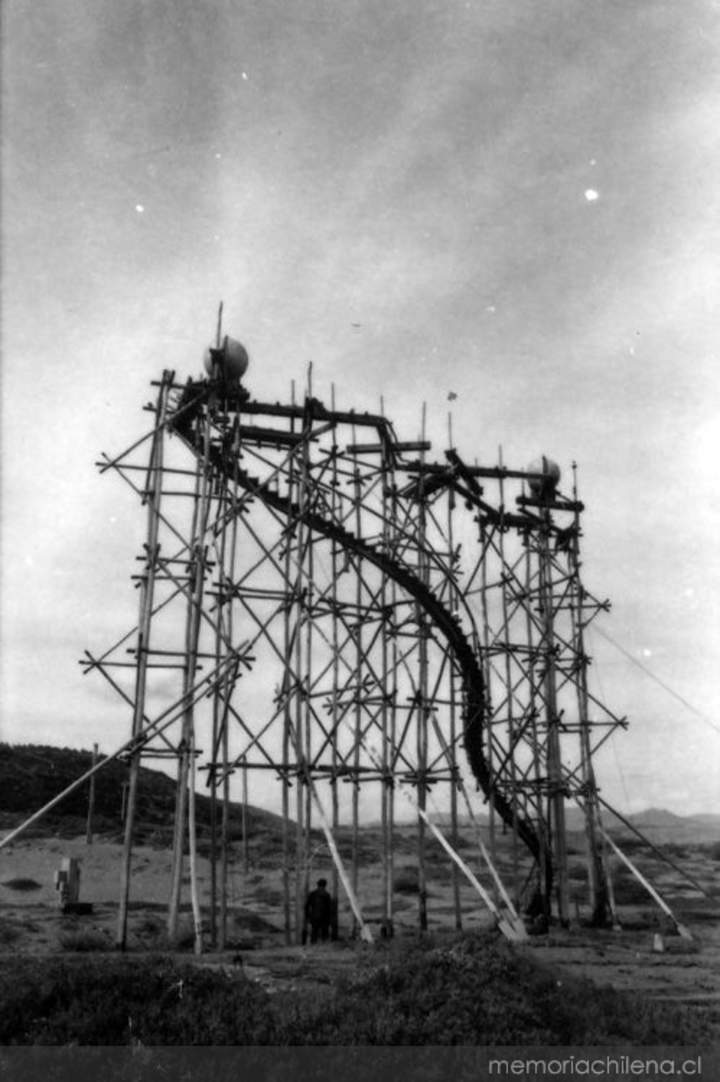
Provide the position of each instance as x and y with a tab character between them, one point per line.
644	955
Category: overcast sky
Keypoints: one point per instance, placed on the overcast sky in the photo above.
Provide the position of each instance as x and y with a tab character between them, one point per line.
512	200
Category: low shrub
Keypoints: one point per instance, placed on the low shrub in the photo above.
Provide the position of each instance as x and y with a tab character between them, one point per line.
9	932
22	884
119	1001
406	881
477	990
85	940
150	927
470	989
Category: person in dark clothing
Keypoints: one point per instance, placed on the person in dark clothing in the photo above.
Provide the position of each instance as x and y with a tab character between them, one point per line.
319	912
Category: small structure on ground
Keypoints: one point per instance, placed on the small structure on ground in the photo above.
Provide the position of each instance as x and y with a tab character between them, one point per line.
67	884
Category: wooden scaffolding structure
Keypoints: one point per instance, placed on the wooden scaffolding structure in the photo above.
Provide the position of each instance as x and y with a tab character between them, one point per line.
325	608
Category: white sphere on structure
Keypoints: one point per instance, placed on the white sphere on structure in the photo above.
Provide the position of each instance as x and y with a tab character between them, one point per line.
550	479
229	362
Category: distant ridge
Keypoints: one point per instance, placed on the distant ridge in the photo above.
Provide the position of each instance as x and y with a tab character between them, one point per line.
32	774
657	824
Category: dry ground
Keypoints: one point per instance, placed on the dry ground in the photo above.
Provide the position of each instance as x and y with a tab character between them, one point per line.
30	920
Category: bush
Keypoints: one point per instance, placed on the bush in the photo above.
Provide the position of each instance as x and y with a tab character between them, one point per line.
9	932
85	940
21	884
470	990
480	991
712	850
406	881
118	1001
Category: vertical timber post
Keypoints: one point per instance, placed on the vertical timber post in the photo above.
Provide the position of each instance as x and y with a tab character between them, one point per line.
285	692
509	692
386	780
185	803
358	678
454	774
152	497
556	785
305	735
544	854
335	714
596	873
422	696
91	800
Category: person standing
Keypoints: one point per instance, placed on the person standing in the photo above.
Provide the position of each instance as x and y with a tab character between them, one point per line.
319	912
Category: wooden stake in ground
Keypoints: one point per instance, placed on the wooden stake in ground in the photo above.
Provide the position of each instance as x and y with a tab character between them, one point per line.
91	799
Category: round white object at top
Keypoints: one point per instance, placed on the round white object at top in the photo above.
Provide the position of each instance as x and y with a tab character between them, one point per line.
550	475
232	357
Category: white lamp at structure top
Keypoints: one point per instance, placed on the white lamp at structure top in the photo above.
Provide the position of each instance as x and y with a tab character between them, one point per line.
230	362
544	486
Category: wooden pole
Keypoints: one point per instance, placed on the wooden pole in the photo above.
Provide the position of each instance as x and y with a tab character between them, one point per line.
184	800
364	930
155	728
91	800
682	930
285	691
510	717
556	797
307	558
301	869
422	706
228	687
393	697
147	590
511	930
357	499
192	839
224	605
532	707
387	749
596	874
455	776
486	638
246	839
335	565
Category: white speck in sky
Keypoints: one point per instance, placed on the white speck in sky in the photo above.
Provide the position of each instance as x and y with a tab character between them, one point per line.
591	195
646	652
491	308
139	208
244	75
593	161
631	351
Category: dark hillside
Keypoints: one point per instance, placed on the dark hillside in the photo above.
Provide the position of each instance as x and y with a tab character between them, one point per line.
32	774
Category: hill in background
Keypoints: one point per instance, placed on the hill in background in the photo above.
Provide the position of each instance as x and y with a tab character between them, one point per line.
32	774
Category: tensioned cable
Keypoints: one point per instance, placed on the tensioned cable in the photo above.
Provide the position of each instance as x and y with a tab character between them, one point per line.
663	856
652	675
